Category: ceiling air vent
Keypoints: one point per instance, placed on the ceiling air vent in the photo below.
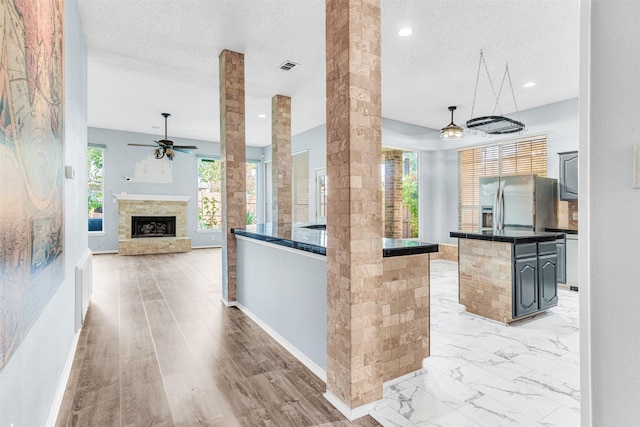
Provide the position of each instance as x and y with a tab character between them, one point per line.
287	65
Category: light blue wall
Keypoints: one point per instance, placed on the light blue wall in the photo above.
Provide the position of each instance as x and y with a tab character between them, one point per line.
120	160
30	380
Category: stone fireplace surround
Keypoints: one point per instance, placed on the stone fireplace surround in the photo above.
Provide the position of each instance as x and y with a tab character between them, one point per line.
152	205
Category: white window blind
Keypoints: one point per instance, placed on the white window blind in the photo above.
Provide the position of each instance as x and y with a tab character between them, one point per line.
300	186
510	158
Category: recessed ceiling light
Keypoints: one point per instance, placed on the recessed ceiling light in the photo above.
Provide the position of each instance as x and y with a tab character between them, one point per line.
529	84
405	32
262	116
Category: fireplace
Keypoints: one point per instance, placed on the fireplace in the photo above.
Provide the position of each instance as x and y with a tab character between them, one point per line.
153	226
156	209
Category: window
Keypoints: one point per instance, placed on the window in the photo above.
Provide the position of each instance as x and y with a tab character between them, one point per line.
409	194
252	185
209	193
300	186
509	158
409	200
268	189
321	196
95	186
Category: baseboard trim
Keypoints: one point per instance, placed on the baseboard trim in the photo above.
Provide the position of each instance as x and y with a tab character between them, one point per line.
302	358
229	303
350	413
62	384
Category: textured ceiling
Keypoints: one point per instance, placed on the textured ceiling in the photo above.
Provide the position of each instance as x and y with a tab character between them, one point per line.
153	56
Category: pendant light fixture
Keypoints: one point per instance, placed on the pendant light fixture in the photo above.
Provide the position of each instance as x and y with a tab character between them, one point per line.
452	130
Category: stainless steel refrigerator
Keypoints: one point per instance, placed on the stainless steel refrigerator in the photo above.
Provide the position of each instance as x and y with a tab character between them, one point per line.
517	202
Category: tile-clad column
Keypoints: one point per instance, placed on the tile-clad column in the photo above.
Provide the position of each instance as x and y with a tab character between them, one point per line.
281	160
393	194
232	153
354	216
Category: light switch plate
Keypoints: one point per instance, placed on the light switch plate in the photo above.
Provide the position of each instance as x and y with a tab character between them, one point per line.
636	166
574	216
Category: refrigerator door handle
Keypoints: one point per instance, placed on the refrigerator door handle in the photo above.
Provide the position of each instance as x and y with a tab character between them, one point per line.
496	209
501	207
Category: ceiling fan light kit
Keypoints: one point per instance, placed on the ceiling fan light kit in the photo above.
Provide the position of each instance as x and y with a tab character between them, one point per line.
452	130
166	147
495	124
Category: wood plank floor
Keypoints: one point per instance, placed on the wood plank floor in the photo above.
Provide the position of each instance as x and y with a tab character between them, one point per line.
158	348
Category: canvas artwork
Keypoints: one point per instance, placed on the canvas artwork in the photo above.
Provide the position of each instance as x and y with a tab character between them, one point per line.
31	163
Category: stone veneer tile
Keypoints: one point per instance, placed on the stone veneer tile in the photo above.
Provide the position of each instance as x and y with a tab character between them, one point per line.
354	216
281	160
233	155
405	314
486	278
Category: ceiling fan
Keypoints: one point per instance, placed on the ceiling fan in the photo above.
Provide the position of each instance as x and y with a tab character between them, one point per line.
166	147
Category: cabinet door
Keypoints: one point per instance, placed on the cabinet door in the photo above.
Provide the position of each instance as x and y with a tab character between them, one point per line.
569	176
561	268
526	286
548	285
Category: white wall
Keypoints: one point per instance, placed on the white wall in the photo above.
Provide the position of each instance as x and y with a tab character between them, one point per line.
610	214
30	380
120	162
439	170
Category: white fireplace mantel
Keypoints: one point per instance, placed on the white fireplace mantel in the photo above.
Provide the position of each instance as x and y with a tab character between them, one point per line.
154	197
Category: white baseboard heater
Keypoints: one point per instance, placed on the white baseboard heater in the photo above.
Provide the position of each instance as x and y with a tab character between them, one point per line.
84	286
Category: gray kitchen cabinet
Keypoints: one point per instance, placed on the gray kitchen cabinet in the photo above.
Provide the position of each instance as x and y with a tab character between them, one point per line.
547	282
526	286
568	180
561	266
535	282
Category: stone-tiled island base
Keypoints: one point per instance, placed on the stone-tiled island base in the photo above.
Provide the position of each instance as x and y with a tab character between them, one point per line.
507	275
152	205
486	281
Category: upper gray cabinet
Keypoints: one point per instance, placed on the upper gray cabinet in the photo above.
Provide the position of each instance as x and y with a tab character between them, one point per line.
568	181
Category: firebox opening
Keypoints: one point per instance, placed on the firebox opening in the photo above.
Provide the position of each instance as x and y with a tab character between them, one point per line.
153	226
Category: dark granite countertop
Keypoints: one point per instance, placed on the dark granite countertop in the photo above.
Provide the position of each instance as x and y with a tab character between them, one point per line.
310	238
562	230
509	236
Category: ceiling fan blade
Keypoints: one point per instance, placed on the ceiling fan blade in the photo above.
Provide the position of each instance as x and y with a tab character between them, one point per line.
180	149
188	147
142	145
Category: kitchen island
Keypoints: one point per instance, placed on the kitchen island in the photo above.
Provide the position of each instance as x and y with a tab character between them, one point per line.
282	285
507	275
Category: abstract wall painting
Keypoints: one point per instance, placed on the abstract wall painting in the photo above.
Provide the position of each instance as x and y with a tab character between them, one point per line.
31	164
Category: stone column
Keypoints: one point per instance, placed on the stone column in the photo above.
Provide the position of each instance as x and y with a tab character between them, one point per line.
393	194
281	160
354	217
232	153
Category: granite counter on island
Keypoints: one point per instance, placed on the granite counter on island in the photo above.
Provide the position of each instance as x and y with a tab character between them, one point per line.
507	275
282	285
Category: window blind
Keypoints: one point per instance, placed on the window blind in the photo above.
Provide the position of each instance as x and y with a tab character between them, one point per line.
510	158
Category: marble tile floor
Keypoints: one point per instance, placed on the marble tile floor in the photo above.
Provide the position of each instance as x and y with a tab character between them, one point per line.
482	373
